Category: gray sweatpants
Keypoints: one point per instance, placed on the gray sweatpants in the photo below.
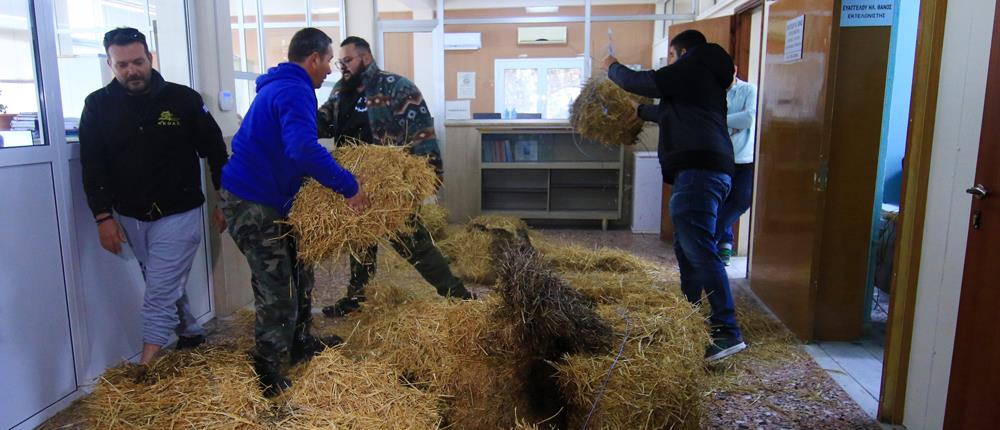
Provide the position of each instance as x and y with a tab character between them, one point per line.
165	249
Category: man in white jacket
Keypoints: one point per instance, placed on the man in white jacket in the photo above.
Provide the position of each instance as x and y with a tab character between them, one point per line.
741	100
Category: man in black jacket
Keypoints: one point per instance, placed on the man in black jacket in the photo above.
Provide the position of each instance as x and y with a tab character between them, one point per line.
696	157
140	143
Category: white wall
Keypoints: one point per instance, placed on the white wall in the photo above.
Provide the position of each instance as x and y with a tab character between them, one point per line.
964	64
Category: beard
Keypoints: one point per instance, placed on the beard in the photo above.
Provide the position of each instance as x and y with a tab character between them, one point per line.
351	84
137	85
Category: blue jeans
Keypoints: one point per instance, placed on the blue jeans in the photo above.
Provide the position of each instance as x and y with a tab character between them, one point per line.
694	205
736	204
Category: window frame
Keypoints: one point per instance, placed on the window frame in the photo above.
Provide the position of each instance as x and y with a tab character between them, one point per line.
542	65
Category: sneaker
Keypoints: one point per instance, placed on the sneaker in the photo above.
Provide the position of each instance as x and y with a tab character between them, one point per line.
306	349
189	342
723	347
271	381
726	255
344	306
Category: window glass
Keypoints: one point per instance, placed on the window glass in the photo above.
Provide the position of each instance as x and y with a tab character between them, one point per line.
520	89
562	88
543	88
19	108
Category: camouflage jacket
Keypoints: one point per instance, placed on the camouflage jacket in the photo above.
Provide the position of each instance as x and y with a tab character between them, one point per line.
397	113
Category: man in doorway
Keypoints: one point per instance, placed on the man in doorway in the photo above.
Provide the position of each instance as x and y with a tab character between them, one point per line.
379	107
141	138
275	148
741	101
696	157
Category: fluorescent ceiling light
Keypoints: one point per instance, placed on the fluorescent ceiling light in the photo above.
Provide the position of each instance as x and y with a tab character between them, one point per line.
542	9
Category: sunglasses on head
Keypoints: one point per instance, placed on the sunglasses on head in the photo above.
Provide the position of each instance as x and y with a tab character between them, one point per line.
123	34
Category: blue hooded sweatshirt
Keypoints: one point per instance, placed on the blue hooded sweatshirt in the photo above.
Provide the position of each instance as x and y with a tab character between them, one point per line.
276	147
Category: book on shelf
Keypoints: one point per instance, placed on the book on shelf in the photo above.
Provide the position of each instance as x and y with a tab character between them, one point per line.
526	150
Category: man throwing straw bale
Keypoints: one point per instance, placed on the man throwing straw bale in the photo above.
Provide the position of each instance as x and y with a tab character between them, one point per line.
696	156
275	148
372	105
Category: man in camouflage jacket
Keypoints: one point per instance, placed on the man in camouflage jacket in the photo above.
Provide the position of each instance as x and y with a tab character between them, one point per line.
379	107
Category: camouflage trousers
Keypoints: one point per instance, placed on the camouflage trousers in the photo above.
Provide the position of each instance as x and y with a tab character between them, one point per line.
282	285
419	250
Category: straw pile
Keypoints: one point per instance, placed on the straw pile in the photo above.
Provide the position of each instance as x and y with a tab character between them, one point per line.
207	388
337	392
469	250
435	218
453	349
659	380
395	182
603	113
546	313
578	258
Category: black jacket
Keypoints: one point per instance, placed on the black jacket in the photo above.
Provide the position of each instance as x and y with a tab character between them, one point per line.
140	154
692	109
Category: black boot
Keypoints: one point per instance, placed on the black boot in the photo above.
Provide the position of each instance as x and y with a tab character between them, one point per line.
344	306
189	342
271	380
307	348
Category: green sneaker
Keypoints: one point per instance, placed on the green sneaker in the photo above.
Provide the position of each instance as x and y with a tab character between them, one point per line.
726	254
723	347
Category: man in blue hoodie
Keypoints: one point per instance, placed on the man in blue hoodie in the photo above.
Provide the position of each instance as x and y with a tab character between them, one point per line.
275	148
696	156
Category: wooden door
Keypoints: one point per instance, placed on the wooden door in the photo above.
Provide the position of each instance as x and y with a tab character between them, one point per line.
975	375
793	153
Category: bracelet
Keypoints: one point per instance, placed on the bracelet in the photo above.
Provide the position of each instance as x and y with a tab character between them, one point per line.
101	221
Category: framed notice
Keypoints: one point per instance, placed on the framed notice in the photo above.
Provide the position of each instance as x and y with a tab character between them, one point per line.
794	31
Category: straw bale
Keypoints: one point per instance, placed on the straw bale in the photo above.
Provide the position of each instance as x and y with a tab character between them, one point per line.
603	112
435	218
659	380
395	182
337	392
207	388
455	349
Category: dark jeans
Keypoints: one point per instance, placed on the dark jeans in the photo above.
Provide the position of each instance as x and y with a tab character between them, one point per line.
419	250
738	202
694	205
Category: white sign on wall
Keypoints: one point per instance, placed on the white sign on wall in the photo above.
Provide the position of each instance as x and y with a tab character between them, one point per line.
794	30
866	13
466	85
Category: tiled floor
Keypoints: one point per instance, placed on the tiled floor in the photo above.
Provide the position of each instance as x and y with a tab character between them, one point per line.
856	366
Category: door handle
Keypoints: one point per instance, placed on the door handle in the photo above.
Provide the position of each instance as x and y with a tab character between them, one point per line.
978	191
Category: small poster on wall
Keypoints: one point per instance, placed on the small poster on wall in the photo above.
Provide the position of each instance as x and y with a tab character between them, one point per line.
866	13
466	85
794	31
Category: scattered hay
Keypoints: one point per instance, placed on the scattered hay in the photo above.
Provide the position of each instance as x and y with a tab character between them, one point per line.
337	392
603	112
395	182
207	388
580	259
435	218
